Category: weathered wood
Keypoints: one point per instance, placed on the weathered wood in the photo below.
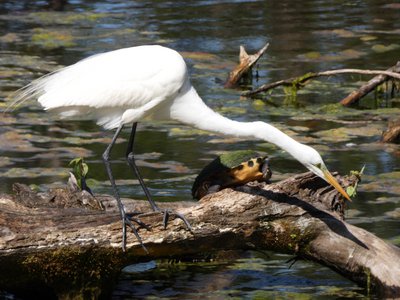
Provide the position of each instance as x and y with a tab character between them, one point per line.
246	62
365	89
392	134
50	246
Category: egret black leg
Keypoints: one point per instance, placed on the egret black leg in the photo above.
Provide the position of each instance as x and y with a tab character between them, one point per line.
125	219
131	161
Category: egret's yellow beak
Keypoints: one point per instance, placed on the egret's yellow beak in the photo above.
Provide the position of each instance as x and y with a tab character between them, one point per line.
335	184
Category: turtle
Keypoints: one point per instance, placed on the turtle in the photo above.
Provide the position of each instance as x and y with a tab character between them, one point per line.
231	169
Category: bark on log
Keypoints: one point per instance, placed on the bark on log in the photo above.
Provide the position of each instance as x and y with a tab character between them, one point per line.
73	251
392	134
355	96
246	62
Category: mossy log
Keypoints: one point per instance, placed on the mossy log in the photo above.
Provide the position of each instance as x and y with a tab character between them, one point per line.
77	251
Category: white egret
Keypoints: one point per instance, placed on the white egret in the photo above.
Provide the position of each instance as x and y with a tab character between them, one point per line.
127	85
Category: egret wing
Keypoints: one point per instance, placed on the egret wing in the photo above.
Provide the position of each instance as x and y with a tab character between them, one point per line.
108	84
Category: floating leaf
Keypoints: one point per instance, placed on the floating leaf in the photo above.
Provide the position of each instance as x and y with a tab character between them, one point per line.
392	5
334	135
232	110
343	33
379	48
350	54
367	38
394	214
63	18
312	55
259	104
5	161
186	131
10	38
199	55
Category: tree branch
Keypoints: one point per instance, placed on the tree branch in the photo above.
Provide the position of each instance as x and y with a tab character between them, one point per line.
369	86
300	81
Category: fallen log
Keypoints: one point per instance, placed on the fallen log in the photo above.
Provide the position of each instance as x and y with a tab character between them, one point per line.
75	251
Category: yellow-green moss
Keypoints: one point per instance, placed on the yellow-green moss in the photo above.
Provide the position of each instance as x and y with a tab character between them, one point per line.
76	270
52	39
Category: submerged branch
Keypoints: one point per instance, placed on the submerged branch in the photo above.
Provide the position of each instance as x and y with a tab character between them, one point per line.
300	81
392	134
369	86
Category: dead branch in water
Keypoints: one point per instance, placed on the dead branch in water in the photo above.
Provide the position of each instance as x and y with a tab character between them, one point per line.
302	80
356	95
392	134
246	62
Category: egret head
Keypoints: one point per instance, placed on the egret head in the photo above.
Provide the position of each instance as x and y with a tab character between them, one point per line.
313	161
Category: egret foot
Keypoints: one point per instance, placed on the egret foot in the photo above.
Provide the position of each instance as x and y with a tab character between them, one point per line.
168	212
127	221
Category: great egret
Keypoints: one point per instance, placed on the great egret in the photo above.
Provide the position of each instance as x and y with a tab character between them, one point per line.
127	85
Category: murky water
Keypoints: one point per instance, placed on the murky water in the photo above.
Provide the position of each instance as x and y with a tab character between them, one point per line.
304	36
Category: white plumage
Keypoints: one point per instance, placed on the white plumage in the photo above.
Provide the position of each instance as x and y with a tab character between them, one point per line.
127	85
114	87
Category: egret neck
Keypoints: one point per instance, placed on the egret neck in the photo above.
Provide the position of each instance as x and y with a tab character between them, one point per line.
203	117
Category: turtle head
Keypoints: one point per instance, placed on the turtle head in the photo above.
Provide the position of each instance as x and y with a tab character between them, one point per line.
264	168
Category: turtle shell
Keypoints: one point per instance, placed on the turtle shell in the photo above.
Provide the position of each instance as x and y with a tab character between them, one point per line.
231	169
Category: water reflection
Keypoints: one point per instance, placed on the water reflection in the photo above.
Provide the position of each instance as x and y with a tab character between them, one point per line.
304	36
253	276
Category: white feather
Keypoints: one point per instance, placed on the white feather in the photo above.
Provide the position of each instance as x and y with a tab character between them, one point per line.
113	82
